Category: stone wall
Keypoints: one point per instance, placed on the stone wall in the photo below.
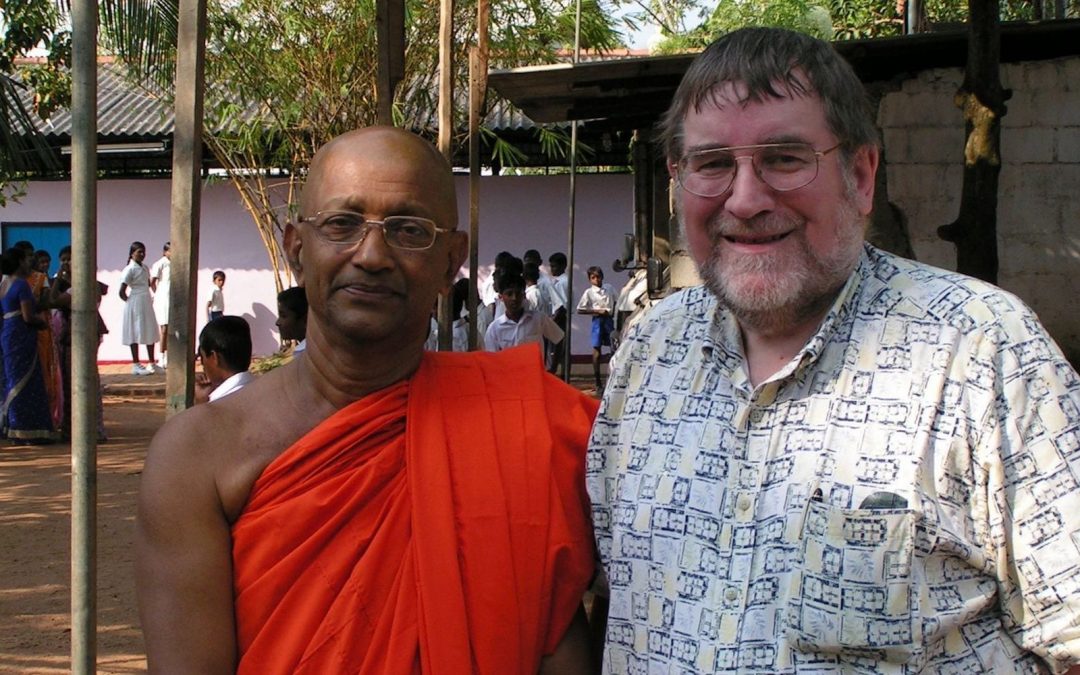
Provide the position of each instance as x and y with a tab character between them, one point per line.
1039	196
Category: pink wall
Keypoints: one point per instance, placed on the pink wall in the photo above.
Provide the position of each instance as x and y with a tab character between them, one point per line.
516	212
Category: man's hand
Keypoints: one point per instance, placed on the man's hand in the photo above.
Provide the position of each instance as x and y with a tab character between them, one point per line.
203	387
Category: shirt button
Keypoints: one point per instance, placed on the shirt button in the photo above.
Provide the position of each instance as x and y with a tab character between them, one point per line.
731	595
743	502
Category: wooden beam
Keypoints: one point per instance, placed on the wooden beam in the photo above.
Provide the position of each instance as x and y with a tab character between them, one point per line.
186	194
390	25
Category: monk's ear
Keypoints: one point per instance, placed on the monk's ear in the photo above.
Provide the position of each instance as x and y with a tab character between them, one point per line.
293	245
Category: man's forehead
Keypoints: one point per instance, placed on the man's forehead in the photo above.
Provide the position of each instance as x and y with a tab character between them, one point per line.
737	93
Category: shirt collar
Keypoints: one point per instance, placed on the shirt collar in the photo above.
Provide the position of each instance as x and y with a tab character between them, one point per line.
723	341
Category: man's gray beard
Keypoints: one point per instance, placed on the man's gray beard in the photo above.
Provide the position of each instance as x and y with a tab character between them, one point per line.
792	295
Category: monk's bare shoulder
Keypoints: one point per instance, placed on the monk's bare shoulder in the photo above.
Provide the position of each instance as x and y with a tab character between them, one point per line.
229	442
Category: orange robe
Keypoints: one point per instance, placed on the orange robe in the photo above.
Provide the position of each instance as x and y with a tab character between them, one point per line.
440	525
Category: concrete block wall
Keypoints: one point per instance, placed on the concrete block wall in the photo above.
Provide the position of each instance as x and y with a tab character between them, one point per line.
1039	190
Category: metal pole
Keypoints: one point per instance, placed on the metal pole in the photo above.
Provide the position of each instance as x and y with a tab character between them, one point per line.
84	338
570	304
184	221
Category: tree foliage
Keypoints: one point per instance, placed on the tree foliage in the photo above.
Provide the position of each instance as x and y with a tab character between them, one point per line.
285	76
24	26
688	25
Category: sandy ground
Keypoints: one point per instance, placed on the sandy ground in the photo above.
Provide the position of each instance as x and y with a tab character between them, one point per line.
35	545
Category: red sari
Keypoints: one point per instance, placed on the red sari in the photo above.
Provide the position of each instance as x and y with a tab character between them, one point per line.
437	526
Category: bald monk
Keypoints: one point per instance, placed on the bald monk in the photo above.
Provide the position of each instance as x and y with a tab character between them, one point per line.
370	508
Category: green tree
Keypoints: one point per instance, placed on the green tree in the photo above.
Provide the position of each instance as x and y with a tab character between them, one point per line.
688	25
25	25
284	76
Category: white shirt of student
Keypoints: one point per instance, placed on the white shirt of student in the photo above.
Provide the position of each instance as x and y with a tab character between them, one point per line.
231	385
504	333
597	298
559	291
537	299
217	300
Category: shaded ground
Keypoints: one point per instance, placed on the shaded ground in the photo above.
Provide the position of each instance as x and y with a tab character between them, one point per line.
35	545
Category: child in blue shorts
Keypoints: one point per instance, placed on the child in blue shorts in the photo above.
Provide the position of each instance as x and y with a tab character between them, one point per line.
598	300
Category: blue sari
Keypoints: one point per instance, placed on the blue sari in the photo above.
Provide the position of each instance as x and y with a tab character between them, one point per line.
25	406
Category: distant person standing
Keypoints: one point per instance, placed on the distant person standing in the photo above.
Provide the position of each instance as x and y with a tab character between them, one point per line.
25	406
292	308
599	301
215	308
159	284
140	324
225	352
537	296
560	285
517	325
544	279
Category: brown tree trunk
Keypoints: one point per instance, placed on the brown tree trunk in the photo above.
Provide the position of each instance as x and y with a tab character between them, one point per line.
983	102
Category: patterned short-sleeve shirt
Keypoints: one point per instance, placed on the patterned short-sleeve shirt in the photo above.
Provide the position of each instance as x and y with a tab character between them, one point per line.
902	497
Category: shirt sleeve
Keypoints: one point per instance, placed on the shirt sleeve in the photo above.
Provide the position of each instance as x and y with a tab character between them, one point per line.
1026	433
127	276
549	329
585	301
490	343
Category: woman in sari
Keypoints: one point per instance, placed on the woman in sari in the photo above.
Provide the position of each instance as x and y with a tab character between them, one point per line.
25	405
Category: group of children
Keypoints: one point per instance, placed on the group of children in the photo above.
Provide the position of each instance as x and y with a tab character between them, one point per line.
146	316
520	304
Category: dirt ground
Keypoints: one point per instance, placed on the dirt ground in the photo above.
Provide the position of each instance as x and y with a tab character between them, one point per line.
35	546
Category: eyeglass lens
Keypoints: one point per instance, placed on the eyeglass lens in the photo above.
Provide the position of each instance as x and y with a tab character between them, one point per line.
710	173
346	227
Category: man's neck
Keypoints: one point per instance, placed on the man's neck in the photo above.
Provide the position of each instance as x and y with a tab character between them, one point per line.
769	346
341	376
515	317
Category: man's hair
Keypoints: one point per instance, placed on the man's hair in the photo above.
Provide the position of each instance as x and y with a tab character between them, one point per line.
294	299
765	60
532	256
531	272
230	338
42	253
13	257
166	247
219	274
504	258
594	270
559	258
507	278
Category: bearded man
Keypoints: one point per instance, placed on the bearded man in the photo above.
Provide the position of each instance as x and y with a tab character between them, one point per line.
827	458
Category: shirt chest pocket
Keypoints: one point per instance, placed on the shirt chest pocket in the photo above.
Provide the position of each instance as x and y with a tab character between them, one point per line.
852	591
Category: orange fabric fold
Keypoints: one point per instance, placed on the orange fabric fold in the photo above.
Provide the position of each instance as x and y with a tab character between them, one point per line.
437	526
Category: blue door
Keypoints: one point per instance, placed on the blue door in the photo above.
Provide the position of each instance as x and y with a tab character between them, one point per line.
48	236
